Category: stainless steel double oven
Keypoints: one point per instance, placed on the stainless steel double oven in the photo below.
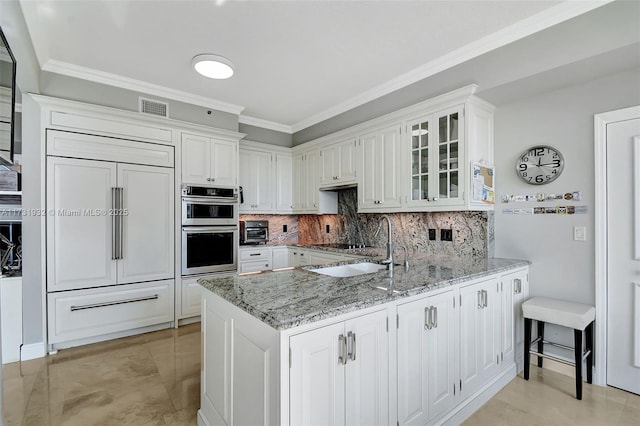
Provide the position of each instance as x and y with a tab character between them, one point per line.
209	230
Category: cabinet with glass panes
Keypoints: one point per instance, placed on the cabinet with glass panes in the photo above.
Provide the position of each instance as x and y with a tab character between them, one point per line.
442	146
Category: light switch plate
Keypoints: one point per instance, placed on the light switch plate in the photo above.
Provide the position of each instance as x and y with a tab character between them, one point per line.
579	233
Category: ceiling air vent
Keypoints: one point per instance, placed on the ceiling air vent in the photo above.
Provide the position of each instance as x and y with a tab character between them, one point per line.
149	106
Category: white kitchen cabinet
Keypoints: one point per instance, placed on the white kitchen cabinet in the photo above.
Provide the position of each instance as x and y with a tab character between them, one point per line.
338	164
440	147
209	161
426	358
83	241
283	183
191	293
256	179
480	334
254	259
298	257
280	257
110	229
379	157
307	197
79	314
515	290
340	373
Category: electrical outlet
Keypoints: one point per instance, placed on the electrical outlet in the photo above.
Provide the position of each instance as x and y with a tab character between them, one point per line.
327	228
579	233
446	235
432	234
284	228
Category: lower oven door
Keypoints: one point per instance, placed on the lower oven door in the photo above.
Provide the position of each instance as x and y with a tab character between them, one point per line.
208	249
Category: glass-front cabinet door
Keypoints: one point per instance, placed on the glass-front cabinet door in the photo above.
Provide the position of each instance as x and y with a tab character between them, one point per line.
437	174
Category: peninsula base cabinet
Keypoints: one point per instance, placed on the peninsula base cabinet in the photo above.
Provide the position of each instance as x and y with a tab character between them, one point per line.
339	374
426	359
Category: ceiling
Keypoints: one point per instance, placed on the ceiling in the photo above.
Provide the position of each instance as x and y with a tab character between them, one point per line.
297	62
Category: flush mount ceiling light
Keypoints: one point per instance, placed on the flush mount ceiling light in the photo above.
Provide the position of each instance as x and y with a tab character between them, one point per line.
213	66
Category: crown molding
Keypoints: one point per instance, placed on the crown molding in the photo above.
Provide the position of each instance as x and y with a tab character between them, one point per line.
90	74
265	124
538	22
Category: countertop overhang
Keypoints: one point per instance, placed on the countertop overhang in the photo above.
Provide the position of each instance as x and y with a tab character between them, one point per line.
290	298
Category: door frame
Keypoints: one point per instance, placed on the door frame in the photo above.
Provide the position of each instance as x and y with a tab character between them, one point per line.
601	231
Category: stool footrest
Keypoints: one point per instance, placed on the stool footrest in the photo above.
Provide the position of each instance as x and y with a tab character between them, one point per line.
546	342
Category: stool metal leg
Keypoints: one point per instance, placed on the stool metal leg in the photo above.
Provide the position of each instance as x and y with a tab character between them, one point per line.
527	346
540	343
577	335
589	338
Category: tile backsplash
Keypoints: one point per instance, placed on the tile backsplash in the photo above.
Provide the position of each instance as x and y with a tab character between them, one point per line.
472	231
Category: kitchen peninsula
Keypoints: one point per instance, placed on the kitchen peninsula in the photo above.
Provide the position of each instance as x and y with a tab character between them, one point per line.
425	345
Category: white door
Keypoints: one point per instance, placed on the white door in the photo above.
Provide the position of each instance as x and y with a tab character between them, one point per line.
623	244
347	161
312	163
299	187
370	178
79	228
329	163
148	223
224	163
316	378
196	159
413	368
389	164
441	354
480	332
284	184
367	370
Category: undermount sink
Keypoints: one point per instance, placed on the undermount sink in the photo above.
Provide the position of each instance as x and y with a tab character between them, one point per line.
350	270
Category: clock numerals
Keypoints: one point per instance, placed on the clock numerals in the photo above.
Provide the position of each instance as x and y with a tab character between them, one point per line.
539	165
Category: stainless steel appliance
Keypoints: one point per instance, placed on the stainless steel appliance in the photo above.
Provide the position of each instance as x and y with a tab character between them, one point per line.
254	231
209	230
209	206
208	249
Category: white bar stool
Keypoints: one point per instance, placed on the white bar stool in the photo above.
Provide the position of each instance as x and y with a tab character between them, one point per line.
577	316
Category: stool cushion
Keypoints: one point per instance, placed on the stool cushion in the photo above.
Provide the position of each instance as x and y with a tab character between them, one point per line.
560	312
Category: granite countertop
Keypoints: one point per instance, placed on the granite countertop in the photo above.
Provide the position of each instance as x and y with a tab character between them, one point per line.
289	298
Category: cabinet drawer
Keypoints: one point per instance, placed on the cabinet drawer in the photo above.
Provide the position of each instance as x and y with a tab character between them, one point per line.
255	267
254	255
86	313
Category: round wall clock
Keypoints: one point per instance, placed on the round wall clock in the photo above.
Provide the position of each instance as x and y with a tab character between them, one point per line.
539	165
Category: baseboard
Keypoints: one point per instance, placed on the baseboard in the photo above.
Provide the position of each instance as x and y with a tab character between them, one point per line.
466	408
110	336
32	351
190	320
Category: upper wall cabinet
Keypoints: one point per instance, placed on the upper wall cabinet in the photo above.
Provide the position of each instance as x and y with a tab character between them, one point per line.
338	164
378	185
208	161
256	180
265	175
440	148
307	197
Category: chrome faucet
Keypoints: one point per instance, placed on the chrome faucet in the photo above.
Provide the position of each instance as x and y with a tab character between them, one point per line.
406	257
389	259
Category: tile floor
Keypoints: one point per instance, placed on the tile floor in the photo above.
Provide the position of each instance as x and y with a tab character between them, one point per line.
154	379
151	379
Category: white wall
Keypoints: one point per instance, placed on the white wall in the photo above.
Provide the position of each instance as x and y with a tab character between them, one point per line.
561	268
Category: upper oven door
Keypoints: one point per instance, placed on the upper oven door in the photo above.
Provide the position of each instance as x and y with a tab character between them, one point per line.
209	211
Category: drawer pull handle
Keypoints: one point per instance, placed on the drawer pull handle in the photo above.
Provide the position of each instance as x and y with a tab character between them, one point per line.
118	302
254	254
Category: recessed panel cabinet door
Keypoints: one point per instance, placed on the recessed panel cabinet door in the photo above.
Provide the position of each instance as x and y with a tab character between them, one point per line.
441	354
317	381
79	226
148	223
196	159
224	163
367	370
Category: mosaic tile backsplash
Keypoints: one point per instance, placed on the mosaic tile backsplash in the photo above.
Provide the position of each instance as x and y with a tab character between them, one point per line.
472	231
